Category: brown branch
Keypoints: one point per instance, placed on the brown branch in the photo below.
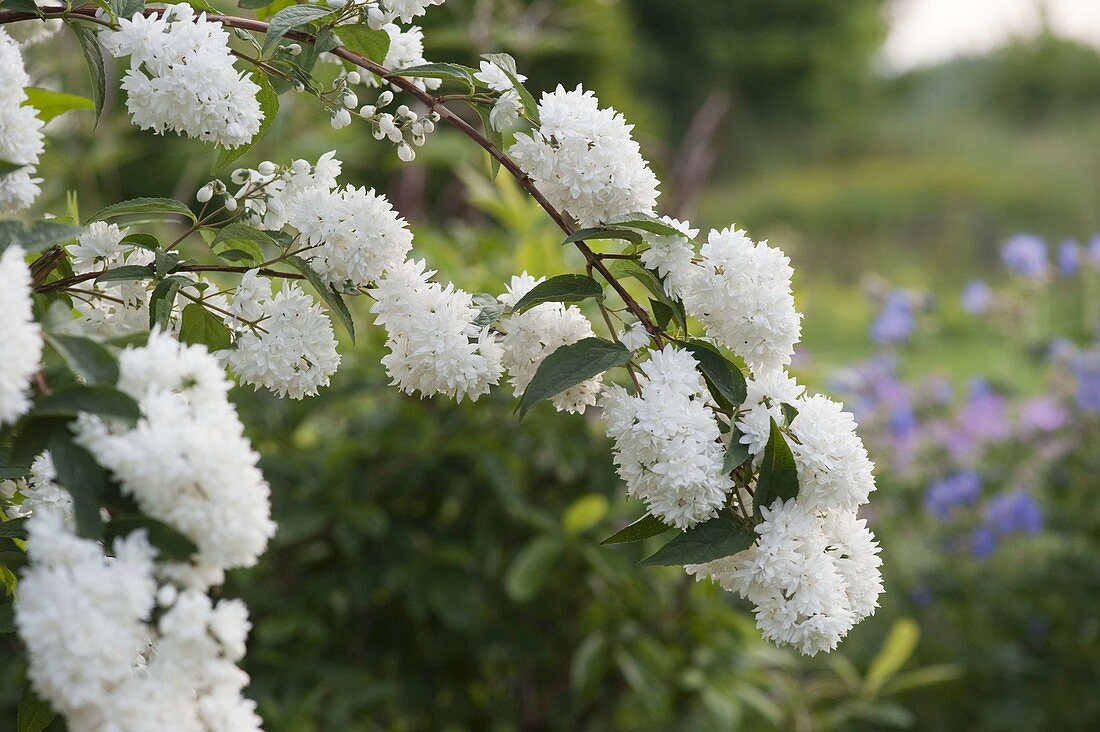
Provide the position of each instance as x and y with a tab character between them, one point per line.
431	102
85	276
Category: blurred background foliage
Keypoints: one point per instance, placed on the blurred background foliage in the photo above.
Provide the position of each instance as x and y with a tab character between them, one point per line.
438	566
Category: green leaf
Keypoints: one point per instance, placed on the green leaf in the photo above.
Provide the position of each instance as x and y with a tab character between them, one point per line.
128	8
50	104
531	568
93	57
85	480
143	240
662	314
714	539
737	453
584	513
171	543
569	365
438	71
87	359
335	302
899	645
37	236
34	715
253	4
126	273
105	401
15	528
493	136
652	224
163	300
563	288
7	618
244	238
489	309
778	476
23	6
33	435
625	268
789	412
291	17
645	527
157	206
269	105
372	44
603	233
200	326
724	379
165	263
12	559
8	167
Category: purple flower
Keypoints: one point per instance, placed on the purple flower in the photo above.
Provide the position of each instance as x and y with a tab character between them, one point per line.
1042	414
983	415
977	296
1026	255
1094	252
1069	257
1087	370
1013	512
983	542
943	496
895	322
903	420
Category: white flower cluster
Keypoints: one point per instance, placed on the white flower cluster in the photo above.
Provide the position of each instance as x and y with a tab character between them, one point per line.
186	462
507	107
20	335
181	77
40	492
667	446
741	293
112	308
671	256
285	342
20	131
435	345
584	160
812	575
101	656
354	235
531	336
406	10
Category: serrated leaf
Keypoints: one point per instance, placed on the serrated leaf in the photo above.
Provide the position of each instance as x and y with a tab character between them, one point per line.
129	8
269	105
87	359
164	263
645	527
243	238
163	300
85	480
778	475
737	453
563	288
437	71
372	44
126	273
15	528
105	401
662	314
714	539
34	714
144	206
335	303
652	224
93	58
602	233
789	412
531	568
49	104
23	6
171	543
569	365
36	236
199	326
289	18
724	379
33	435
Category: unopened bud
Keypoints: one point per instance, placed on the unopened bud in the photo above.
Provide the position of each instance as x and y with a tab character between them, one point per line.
205	193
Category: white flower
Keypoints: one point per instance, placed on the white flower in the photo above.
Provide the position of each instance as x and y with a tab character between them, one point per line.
766	393
667	446
742	295
99	245
295	353
435	347
634	337
20	335
833	468
670	256
406	10
269	190
20	131
357	233
811	575
494	77
533	335
406	50
584	160
182	78
186	462
505	111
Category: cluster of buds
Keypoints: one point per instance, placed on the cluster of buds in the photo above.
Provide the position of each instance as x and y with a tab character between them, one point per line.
403	127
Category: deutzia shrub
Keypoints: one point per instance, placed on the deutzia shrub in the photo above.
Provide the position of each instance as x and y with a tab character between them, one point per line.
128	481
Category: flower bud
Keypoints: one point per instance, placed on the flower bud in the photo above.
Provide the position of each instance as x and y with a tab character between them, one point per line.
354	77
205	193
266	167
405	152
239	176
340	118
231	204
385	98
301	167
294	49
351	101
375	18
367	110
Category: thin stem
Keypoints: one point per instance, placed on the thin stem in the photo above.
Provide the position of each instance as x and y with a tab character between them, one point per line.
85	276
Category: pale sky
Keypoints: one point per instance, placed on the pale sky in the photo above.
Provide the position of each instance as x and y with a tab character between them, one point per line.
924	32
